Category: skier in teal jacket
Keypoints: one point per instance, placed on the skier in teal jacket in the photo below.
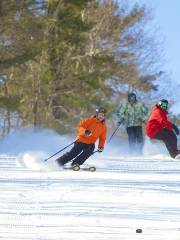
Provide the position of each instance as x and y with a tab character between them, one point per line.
133	114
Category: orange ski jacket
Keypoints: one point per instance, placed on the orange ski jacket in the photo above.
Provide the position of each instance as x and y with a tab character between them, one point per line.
97	128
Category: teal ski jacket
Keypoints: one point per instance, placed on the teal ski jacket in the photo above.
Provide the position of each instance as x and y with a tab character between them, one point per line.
132	114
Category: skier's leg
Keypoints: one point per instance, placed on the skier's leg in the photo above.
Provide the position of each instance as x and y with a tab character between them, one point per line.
139	139
77	148
171	144
88	150
131	138
170	140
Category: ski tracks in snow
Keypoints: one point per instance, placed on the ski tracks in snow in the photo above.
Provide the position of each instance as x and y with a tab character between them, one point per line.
123	195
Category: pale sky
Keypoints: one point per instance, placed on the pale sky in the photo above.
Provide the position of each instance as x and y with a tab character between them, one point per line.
167	18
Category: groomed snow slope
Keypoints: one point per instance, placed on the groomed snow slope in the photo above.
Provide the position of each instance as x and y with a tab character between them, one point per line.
38	200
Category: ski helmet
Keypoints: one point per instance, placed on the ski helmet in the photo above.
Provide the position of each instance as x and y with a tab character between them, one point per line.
100	110
131	97
163	104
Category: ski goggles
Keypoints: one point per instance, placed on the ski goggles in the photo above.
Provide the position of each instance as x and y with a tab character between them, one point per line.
164	105
131	98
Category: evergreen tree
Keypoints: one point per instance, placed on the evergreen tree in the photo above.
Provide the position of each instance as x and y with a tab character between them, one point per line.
61	58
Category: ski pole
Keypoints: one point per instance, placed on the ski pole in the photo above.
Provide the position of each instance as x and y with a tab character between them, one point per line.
114	132
95	152
59	151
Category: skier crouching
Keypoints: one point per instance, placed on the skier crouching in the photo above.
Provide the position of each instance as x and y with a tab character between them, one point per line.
89	130
159	127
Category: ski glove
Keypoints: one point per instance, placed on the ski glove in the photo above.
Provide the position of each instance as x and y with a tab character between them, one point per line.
100	149
176	129
88	132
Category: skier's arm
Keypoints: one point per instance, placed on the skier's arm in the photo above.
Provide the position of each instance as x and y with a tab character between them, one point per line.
102	139
83	126
145	113
176	129
121	112
166	123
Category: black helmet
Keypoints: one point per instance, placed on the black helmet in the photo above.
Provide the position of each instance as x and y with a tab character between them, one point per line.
132	97
163	104
100	110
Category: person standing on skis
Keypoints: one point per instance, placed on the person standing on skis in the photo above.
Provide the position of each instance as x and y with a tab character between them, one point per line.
133	114
159	127
89	130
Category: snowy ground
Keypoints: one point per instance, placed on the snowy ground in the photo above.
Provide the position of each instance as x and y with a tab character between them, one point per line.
38	200
123	195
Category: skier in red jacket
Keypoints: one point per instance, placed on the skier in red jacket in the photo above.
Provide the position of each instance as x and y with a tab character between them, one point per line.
159	127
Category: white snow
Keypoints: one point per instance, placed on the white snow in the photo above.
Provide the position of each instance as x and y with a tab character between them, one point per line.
39	200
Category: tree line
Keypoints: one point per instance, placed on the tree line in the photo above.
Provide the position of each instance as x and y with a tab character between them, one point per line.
59	59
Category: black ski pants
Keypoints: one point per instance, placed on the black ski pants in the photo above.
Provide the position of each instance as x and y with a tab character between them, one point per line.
170	140
79	154
135	138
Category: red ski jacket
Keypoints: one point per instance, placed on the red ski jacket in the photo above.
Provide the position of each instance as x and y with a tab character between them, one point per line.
97	128
157	121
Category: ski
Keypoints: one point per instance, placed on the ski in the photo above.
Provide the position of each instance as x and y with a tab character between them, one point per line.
178	156
90	169
78	168
74	168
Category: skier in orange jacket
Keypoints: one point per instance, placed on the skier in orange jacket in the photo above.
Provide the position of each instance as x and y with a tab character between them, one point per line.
89	131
